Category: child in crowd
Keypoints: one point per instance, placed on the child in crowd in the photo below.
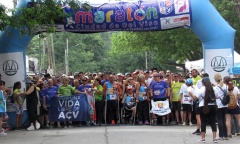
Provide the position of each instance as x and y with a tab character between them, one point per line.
3	115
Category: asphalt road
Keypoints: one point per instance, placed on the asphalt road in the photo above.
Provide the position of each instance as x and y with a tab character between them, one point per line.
111	135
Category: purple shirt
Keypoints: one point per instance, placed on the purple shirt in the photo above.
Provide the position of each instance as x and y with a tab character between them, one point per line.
82	88
159	89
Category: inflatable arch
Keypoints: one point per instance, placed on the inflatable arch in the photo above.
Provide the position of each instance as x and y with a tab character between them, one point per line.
216	35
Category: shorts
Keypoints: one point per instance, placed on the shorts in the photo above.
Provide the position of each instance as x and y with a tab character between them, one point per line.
187	108
1	114
43	111
18	109
176	106
233	111
196	106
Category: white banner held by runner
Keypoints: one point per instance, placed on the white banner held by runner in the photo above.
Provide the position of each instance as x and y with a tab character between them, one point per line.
218	61
160	108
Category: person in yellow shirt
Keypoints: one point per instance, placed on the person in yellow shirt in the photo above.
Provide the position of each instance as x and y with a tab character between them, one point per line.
175	96
18	103
195	76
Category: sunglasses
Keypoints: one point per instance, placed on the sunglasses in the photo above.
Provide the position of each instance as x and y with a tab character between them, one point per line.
84	80
175	76
155	76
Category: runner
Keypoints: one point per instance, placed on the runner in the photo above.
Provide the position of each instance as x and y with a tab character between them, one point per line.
175	95
159	90
3	96
65	90
129	104
32	104
18	104
187	101
112	91
48	93
207	103
233	106
222	109
142	99
98	89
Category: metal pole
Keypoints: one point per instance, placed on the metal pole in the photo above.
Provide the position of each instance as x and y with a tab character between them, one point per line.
146	58
53	56
66	58
39	58
43	55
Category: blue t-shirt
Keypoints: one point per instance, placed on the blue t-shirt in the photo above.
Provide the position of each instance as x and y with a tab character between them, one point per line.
159	89
111	92
82	88
50	92
41	94
142	93
2	102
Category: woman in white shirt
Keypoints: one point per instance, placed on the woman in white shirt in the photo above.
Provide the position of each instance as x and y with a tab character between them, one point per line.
222	109
232	110
208	108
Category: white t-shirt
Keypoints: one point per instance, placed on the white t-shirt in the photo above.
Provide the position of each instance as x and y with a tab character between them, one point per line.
148	81
220	95
186	98
200	94
199	84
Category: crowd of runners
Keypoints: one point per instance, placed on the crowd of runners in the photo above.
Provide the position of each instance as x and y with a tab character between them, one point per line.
126	98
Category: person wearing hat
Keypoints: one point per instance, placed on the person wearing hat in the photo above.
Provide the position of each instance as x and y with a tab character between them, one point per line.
187	101
222	109
129	102
207	103
32	104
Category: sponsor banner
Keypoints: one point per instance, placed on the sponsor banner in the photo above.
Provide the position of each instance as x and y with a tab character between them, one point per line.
12	70
69	108
218	61
175	21
160	108
129	16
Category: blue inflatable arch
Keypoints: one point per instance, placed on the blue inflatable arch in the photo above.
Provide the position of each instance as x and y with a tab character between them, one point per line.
216	35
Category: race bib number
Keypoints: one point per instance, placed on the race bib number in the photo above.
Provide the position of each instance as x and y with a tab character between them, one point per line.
186	99
113	97
157	92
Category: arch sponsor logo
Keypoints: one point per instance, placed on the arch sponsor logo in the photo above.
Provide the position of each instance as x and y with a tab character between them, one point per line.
10	67
219	64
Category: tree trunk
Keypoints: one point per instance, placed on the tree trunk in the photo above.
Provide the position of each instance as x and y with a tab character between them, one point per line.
237	6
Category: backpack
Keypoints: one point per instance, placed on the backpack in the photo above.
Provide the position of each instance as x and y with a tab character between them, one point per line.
211	97
226	97
233	102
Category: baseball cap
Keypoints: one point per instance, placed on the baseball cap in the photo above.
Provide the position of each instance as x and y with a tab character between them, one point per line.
189	81
146	71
